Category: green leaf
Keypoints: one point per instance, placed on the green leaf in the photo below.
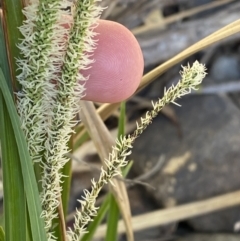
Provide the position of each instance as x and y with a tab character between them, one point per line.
2	217
122	119
80	141
29	180
12	165
112	221
3	57
127	168
66	184
13	18
14	197
29	234
67	177
2	234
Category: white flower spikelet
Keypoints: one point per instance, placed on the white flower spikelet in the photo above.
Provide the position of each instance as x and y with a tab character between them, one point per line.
48	101
42	52
191	78
69	91
117	159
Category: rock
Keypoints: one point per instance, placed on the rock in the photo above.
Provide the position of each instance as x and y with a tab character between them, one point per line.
210	237
200	164
225	68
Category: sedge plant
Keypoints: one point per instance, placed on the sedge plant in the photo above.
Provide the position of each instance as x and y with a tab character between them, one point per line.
48	71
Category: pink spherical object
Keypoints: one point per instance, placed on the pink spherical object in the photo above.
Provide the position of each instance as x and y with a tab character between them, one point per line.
118	67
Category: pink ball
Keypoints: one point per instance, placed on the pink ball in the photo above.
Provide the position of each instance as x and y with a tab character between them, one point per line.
118	67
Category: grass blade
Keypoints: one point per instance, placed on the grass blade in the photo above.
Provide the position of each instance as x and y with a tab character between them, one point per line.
122	120
66	184
82	137
30	184
14	198
112	221
2	234
3	56
13	18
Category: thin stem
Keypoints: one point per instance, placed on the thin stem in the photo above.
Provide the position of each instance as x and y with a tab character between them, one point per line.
62	220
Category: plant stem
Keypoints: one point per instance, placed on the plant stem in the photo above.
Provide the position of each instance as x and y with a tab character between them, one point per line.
62	220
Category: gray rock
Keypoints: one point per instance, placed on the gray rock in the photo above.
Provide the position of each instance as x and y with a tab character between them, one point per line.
225	68
202	163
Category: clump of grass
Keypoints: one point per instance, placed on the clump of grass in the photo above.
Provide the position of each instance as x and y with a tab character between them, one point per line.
48	101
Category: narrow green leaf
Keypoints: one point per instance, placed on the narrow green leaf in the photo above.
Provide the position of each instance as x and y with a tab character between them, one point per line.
3	57
67	173
14	197
30	184
13	18
127	168
112	220
81	140
66	185
6	71
2	234
122	119
2	219
29	233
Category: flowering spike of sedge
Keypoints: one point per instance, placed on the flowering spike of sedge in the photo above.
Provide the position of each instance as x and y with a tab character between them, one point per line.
42	48
48	101
191	77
